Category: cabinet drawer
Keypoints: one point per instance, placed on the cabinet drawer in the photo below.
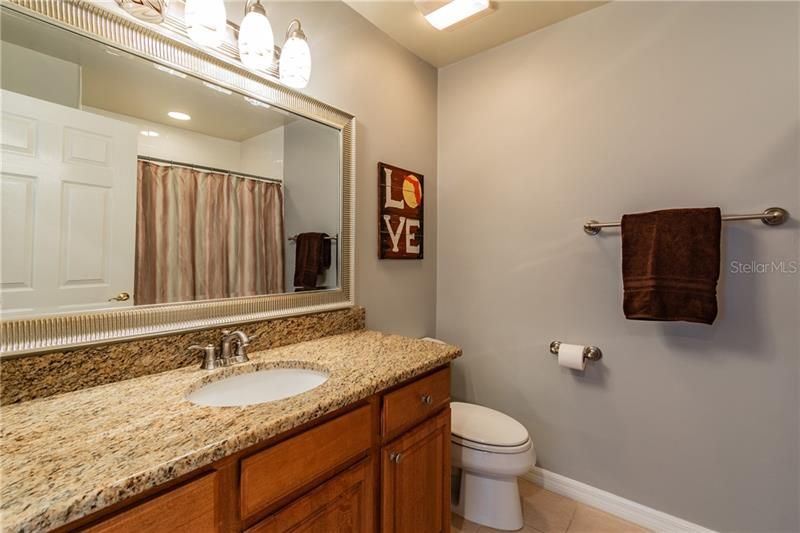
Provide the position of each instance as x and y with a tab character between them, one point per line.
415	402
276	472
191	508
346	503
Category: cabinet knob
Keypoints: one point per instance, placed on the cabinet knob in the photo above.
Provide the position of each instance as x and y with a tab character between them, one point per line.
427	399
395	457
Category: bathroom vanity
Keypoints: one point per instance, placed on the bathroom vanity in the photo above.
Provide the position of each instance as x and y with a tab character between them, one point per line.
368	450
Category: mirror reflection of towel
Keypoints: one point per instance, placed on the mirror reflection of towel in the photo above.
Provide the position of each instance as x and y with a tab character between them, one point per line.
312	258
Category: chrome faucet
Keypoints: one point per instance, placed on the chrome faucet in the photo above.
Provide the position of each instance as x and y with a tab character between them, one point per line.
223	355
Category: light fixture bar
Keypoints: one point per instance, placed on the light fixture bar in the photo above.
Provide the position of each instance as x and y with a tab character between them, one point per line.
455	11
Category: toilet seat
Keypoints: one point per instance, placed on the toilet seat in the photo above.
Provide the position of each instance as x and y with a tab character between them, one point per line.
480	428
524	447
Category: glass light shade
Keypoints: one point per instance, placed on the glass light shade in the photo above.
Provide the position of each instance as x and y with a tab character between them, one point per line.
206	21
295	63
256	41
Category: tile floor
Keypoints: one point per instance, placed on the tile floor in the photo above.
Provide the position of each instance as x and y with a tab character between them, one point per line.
548	512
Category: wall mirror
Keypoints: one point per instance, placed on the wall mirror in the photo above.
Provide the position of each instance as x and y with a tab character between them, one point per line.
151	187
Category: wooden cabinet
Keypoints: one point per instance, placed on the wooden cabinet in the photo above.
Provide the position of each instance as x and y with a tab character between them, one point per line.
345	504
276	472
414	402
415	488
190	508
380	464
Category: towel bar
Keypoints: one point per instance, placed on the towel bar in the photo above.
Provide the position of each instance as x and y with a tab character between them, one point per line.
335	238
772	216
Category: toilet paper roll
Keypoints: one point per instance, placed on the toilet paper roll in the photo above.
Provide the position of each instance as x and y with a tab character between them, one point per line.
571	356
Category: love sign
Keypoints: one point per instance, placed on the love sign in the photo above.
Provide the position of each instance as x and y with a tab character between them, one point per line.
400	213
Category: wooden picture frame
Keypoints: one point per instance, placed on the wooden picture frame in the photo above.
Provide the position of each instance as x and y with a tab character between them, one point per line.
401	210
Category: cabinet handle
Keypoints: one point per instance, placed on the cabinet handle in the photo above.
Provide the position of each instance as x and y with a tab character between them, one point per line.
427	399
395	457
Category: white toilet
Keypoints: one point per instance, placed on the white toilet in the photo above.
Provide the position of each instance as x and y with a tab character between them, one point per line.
491	449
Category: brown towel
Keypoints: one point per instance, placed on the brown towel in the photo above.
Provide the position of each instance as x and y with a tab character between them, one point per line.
670	264
312	257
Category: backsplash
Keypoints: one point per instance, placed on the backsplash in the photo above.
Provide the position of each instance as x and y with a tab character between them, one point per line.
39	376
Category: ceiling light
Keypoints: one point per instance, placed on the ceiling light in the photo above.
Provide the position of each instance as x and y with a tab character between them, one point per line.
205	21
149	133
454	12
256	42
295	61
171	72
177	115
217	88
257	103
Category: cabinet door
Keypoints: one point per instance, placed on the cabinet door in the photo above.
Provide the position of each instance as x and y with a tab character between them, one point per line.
190	508
345	504
415	496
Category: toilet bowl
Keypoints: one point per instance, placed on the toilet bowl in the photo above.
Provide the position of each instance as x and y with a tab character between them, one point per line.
491	449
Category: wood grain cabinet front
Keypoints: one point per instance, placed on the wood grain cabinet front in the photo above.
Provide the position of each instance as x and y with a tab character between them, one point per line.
414	402
415	491
277	472
345	504
190	508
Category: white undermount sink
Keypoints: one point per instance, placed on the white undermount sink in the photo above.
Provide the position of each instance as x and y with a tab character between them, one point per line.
257	387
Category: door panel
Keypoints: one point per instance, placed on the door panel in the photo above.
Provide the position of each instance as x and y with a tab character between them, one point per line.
17	197
19	134
85	147
69	239
416	479
84	235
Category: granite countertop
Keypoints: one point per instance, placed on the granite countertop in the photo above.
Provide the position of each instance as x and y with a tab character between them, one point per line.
64	457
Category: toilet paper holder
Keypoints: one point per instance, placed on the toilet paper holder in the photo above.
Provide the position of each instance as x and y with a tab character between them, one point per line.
591	353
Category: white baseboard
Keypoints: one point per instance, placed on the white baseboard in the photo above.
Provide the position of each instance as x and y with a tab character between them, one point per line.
611	503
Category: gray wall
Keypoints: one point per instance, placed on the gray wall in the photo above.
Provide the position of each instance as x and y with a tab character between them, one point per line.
23	71
311	190
630	107
392	93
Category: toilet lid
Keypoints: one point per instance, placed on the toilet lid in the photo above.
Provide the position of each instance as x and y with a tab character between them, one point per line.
480	424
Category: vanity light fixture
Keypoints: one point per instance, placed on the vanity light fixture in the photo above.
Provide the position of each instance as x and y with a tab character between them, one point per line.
217	88
177	115
452	12
256	41
295	62
206	21
149	133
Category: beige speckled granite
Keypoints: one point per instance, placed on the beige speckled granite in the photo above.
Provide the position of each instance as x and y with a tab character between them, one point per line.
39	376
67	456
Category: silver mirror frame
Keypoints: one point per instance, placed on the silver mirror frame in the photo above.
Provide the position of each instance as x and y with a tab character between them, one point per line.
65	331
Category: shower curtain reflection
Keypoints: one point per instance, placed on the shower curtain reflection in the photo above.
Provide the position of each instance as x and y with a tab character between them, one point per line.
206	235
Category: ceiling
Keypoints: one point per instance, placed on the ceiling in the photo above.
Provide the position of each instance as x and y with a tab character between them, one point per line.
402	21
122	83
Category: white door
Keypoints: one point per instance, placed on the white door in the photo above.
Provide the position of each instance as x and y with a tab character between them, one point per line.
68	195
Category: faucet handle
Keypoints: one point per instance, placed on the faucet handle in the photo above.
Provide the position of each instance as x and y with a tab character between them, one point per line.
209	357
